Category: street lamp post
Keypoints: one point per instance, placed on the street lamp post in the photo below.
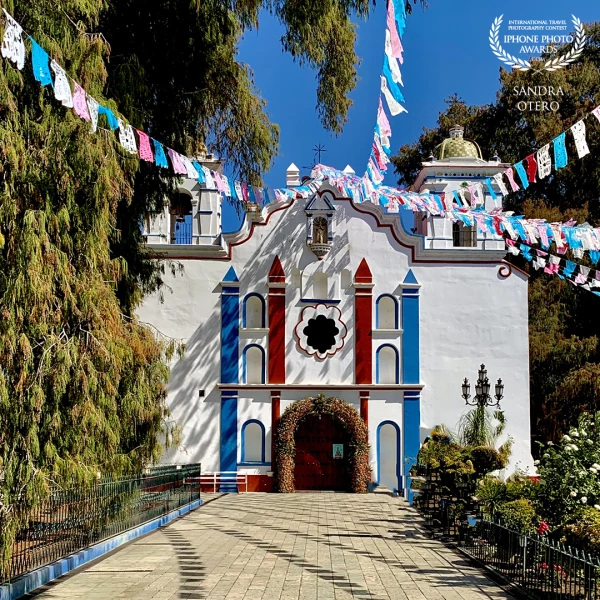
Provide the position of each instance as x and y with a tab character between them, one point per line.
482	390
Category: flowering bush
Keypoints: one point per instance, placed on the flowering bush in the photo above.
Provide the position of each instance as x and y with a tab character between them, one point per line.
285	448
570	472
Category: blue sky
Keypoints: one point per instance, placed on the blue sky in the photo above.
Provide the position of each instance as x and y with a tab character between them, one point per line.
446	51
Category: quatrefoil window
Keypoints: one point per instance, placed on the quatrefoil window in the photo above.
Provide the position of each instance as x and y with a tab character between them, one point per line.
320	331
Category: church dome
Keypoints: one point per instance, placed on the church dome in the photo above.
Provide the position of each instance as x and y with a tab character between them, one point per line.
456	146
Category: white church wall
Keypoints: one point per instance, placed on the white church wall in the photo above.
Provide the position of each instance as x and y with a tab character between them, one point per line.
463	321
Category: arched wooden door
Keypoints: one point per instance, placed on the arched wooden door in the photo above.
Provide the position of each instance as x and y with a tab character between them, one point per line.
315	466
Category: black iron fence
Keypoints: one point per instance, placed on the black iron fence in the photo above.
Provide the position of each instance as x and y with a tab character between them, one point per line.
542	569
72	519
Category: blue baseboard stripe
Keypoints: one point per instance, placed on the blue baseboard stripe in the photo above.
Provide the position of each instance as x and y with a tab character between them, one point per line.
35	579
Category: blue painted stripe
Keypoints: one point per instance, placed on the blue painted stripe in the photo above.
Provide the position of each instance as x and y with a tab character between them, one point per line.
230	334
412	436
228	462
411	371
29	582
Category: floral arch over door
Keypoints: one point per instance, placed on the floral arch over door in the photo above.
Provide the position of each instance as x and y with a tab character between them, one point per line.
359	470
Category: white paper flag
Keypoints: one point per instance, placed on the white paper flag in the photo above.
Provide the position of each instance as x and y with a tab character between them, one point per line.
498	179
393	62
578	131
62	88
13	46
544	161
127	137
395	107
93	110
192	173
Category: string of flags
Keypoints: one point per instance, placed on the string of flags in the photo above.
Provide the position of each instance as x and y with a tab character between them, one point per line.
134	141
576	274
464	205
390	82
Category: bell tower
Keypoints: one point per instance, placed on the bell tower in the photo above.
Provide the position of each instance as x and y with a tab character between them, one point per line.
458	169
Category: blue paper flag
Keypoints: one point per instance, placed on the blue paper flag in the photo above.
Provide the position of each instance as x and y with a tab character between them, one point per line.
41	63
392	85
569	268
160	158
110	117
522	174
198	167
560	151
488	182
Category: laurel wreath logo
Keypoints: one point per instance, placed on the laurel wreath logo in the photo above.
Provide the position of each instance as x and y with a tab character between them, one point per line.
554	64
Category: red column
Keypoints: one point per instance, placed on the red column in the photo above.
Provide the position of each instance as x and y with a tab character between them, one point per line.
364	407
276	323
363	319
275	412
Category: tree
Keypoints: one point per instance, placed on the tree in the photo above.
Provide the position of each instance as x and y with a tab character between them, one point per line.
82	383
563	330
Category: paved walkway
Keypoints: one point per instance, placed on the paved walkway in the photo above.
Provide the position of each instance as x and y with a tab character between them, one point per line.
284	547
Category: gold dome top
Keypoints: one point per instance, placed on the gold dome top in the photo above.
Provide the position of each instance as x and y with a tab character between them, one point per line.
456	146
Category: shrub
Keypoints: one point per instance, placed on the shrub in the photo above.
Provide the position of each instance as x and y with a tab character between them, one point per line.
486	459
570	472
583	532
518	515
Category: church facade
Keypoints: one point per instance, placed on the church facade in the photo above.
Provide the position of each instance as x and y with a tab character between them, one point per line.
321	296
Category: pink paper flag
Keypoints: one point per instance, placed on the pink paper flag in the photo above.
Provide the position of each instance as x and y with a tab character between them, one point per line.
382	120
596	112
80	105
511	178
144	148
395	38
177	163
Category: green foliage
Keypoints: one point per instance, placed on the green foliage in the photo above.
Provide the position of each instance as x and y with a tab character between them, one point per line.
493	492
583	531
564	350
570	471
518	514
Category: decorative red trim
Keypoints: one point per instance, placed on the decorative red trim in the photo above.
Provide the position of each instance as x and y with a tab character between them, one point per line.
506	269
276	324
363	273
276	274
364	407
412	248
275	414
396	387
363	319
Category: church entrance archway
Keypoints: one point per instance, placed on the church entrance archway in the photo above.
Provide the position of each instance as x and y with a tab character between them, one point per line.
321	460
309	433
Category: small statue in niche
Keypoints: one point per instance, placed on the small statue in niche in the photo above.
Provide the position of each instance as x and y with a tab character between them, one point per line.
320	230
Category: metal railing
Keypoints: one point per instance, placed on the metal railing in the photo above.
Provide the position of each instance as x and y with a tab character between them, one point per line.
225	479
542	569
73	519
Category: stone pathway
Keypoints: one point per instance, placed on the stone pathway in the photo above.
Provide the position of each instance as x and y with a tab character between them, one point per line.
321	546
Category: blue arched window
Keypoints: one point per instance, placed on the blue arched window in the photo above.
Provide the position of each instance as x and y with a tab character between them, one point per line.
253	442
253	311
388	455
386	312
387	364
253	364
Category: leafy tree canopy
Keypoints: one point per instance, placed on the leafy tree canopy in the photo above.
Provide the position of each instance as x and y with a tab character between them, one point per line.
564	330
82	383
